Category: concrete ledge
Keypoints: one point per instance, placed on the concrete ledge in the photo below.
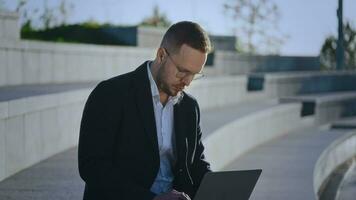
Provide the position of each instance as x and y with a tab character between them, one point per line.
232	140
37	127
334	155
10	28
232	63
346	189
219	91
34	62
23	91
286	83
30	104
8	14
326	107
348	123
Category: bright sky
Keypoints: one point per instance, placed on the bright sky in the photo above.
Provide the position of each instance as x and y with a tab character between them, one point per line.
306	22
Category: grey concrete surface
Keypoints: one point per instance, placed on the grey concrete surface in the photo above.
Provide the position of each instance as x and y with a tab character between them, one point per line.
348	123
220	86
326	107
332	162
212	119
347	190
288	163
17	92
38	121
10	28
293	83
235	138
57	177
37	127
35	62
230	62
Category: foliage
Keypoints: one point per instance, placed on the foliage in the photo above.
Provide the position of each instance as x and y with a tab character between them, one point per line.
88	32
45	16
157	19
256	25
328	50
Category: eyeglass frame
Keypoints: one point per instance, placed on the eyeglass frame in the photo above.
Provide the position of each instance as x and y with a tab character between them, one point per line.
180	71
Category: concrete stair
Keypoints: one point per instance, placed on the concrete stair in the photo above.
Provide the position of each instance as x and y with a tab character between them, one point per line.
288	163
326	107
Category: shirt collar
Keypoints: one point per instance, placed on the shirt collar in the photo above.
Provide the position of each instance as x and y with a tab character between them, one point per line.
154	89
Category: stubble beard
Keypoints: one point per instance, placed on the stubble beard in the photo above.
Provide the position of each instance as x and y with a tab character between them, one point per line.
162	83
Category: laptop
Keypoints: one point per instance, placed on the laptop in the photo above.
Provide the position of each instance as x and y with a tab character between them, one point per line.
228	185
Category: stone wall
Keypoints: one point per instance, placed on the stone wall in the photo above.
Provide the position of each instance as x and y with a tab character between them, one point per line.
232	63
9	26
33	62
37	127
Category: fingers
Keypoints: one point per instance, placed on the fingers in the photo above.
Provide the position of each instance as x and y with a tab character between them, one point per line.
186	197
181	195
175	191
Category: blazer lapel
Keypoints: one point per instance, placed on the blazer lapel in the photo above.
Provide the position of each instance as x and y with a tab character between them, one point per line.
145	104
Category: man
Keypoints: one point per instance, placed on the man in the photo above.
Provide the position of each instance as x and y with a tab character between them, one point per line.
140	135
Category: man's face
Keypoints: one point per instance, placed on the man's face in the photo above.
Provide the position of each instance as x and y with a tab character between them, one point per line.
178	70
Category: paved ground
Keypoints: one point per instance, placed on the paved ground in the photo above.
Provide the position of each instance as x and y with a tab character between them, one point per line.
56	178
288	163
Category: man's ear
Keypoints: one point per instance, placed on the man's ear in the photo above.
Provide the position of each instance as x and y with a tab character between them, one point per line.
160	54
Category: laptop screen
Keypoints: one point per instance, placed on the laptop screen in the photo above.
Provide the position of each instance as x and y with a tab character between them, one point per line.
228	185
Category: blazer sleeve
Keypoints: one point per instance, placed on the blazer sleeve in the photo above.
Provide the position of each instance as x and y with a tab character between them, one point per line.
200	165
98	131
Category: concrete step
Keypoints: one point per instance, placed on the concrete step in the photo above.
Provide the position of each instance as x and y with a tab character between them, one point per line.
288	163
347	189
326	107
246	132
293	83
57	178
212	119
345	123
333	165
16	92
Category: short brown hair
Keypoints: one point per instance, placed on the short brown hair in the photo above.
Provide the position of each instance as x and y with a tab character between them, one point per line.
189	33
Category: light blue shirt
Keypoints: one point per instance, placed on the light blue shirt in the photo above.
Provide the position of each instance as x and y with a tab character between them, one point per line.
165	134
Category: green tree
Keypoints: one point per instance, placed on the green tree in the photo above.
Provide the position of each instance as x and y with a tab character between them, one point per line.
157	19
256	25
328	50
44	16
48	17
65	10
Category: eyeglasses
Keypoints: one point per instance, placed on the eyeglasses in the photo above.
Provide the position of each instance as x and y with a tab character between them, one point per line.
181	73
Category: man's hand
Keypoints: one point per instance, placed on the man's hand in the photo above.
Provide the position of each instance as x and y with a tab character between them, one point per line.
173	195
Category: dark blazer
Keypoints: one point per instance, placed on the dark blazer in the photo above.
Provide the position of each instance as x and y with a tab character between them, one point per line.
118	149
